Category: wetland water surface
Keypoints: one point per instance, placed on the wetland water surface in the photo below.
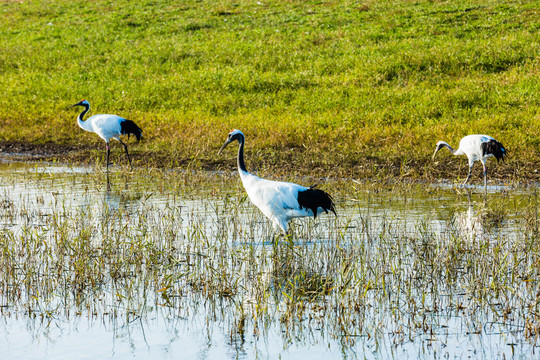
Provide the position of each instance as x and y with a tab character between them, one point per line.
181	265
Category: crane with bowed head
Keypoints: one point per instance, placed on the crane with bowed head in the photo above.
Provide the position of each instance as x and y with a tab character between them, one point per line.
476	148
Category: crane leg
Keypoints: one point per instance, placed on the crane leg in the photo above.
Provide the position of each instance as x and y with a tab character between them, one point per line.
468	176
108	154
127	153
281	225
485	177
284	228
108	182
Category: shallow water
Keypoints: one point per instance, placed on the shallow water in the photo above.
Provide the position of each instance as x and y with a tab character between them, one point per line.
201	227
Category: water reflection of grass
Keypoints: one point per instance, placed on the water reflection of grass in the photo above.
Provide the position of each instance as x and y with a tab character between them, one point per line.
364	274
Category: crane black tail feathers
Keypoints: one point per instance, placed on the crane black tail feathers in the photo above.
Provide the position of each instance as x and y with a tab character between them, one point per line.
495	148
314	198
130	128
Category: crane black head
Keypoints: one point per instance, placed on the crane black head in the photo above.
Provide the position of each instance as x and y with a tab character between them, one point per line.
233	135
83	102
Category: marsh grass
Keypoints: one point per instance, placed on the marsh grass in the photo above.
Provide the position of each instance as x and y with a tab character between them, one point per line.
378	272
349	88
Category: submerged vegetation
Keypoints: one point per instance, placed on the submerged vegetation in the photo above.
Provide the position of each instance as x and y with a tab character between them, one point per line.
355	88
401	264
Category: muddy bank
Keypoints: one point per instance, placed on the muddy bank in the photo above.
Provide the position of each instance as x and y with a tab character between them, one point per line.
47	151
280	163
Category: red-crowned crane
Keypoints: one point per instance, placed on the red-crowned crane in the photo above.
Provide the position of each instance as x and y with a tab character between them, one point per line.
477	148
107	127
279	201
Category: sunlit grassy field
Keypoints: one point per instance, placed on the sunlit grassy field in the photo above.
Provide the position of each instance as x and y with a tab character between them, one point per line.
355	88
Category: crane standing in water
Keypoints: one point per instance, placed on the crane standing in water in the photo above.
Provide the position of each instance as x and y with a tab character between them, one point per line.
476	148
107	127
279	201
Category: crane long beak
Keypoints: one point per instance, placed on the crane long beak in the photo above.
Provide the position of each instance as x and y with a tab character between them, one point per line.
73	105
435	153
224	146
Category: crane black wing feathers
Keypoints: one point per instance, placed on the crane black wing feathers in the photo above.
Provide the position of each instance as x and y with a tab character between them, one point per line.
129	127
495	148
314	198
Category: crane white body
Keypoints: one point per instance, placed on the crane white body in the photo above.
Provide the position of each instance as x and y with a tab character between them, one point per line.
477	148
279	201
106	126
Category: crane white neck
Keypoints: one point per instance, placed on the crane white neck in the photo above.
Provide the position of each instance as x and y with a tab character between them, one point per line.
83	124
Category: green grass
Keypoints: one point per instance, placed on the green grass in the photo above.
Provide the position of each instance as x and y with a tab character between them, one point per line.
348	87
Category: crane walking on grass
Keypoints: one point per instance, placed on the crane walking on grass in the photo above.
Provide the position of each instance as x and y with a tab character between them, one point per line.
279	201
477	148
107	127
